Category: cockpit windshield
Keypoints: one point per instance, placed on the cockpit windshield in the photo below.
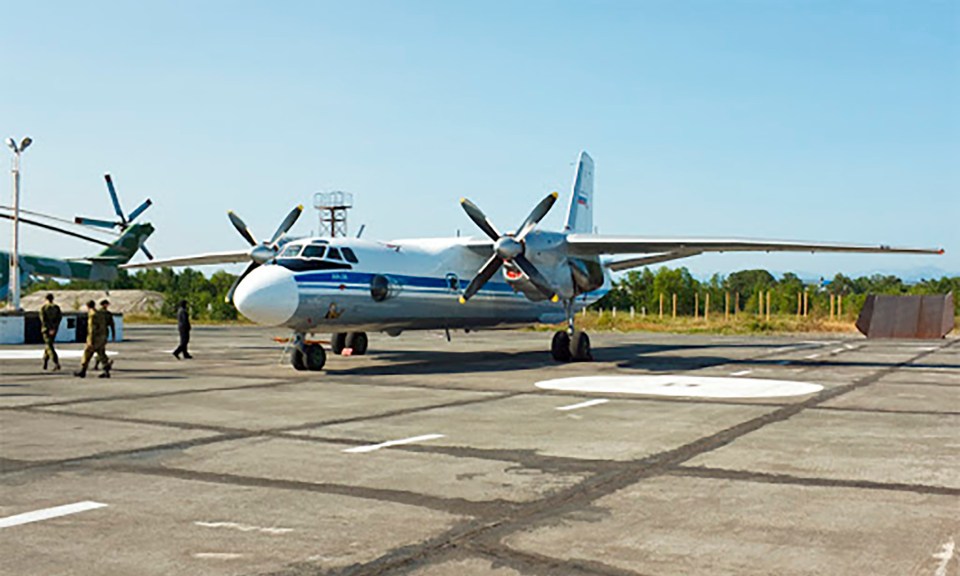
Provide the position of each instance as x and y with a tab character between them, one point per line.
290	251
317	256
314	251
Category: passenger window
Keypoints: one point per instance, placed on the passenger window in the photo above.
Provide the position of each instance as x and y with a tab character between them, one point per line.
349	255
333	254
314	251
290	252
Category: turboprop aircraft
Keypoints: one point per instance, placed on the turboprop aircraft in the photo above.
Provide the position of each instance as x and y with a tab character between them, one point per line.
101	266
349	286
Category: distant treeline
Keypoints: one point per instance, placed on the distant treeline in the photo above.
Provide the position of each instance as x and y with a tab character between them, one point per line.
641	290
205	295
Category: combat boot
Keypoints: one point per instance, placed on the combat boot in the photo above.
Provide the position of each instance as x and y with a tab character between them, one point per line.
56	367
80	373
45	362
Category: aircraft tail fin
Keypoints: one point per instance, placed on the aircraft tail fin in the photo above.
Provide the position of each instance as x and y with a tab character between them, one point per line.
580	213
126	245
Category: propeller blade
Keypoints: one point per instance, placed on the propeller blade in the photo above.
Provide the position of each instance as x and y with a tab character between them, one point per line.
95	222
480	219
241	228
539	211
113	196
57	229
536	278
236	282
485	273
286	225
139	209
146	252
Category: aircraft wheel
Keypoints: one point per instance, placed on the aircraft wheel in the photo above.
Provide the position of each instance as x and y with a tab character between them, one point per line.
580	347
314	357
338	342
357	341
560	347
296	360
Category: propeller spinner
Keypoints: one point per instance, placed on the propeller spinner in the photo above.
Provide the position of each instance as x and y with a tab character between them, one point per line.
260	252
509	248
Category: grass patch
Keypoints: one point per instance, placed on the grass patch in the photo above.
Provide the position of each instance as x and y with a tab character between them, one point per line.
716	324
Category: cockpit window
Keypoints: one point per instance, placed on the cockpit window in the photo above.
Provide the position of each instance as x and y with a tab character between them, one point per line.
334	254
313	251
290	251
349	255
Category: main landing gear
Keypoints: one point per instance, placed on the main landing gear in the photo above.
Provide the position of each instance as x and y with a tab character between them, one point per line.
312	357
571	345
355	341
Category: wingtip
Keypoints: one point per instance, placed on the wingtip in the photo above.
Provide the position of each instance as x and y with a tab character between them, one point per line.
941	251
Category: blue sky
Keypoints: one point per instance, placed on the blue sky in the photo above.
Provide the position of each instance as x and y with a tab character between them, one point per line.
791	120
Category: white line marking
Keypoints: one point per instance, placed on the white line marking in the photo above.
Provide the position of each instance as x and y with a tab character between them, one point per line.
218	555
944	556
245	527
48	513
812	356
586	404
373	447
38	354
849	347
837	350
741	373
682	385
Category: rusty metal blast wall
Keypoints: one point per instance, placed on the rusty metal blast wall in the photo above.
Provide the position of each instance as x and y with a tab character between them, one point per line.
923	317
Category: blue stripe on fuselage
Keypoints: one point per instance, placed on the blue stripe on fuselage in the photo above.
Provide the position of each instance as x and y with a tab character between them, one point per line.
345	277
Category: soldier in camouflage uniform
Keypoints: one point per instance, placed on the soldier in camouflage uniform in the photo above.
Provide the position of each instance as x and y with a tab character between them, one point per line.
99	326
50	317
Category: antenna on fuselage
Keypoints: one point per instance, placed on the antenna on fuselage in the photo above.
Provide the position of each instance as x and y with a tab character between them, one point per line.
333	207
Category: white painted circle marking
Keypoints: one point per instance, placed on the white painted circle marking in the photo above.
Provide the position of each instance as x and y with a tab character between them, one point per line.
690	386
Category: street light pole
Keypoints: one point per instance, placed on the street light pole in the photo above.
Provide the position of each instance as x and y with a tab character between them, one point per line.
15	252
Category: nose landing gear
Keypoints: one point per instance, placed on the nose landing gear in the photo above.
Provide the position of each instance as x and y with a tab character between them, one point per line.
571	345
304	356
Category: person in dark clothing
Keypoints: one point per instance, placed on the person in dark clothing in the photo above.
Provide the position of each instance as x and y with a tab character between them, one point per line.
183	326
50	317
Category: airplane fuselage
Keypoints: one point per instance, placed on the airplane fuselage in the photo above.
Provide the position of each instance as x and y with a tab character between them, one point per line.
353	285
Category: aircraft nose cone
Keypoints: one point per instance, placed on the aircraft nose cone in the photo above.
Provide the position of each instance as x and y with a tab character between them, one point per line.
268	295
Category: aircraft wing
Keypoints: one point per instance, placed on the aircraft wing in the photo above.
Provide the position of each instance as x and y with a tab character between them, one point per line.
664	249
231	257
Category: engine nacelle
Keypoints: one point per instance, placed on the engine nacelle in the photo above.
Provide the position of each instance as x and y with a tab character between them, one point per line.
516	279
587	274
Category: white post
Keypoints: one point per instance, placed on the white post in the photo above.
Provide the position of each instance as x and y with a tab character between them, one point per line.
15	251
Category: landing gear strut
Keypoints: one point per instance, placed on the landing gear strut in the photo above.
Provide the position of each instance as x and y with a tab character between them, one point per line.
571	344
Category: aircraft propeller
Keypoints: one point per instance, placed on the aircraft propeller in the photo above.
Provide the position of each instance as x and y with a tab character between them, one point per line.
508	248
260	252
123	222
